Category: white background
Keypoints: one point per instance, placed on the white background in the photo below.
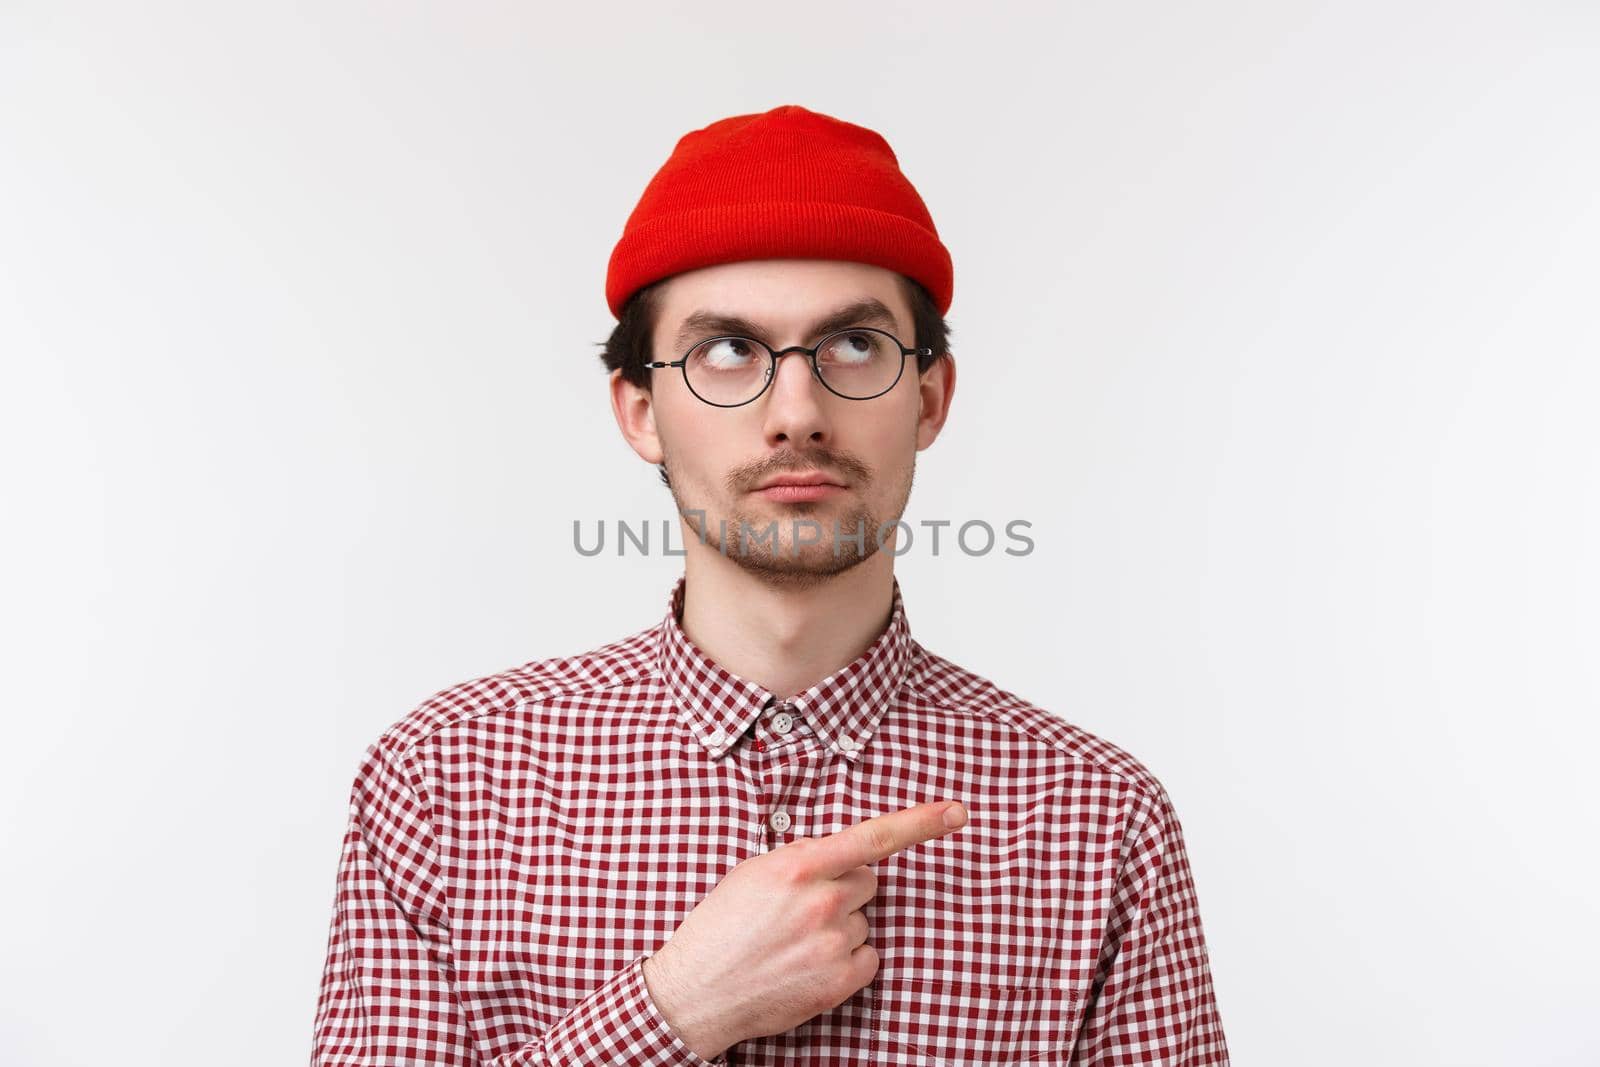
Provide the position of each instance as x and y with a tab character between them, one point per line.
1277	321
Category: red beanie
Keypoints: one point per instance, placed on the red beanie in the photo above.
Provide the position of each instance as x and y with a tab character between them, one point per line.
785	184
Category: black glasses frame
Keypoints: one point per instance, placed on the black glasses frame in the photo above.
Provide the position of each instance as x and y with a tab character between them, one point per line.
809	353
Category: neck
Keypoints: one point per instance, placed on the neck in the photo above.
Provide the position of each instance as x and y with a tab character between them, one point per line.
785	638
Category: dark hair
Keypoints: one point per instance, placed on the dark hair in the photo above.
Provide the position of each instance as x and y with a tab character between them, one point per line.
629	346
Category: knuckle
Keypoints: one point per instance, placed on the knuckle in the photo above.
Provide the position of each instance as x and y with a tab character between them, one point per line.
789	866
797	874
879	839
820	909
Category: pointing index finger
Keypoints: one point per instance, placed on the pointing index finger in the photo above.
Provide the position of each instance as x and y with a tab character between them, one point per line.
882	836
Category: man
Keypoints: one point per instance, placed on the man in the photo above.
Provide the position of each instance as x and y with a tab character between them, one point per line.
723	839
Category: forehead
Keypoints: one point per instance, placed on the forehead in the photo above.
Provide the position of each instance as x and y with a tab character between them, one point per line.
780	299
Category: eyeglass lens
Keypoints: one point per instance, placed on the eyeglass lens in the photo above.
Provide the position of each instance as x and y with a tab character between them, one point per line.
732	370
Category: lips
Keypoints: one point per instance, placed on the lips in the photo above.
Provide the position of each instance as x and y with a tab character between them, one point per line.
808	478
796	494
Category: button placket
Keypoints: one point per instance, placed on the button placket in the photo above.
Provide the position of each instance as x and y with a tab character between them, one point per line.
780	722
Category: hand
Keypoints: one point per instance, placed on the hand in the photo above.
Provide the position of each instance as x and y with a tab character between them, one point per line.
781	938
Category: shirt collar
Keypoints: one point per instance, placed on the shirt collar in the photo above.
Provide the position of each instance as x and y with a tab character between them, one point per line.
842	709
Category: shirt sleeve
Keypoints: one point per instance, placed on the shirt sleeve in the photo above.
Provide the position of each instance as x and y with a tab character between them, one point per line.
387	994
1152	1001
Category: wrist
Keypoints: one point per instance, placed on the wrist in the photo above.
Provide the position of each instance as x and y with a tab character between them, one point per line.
683	1011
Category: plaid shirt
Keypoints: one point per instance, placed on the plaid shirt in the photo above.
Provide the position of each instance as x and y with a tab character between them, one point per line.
520	843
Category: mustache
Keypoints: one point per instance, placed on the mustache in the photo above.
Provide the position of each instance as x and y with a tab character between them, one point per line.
839	464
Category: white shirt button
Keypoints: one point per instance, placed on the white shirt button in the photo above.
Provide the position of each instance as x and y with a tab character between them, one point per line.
782	723
779	821
847	744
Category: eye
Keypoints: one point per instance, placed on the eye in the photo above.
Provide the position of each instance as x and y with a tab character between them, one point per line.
853	349
727	353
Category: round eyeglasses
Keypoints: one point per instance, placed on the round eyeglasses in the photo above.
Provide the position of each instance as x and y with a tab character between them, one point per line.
858	364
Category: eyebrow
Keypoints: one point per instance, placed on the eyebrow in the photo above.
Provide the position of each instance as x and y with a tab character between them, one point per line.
867	311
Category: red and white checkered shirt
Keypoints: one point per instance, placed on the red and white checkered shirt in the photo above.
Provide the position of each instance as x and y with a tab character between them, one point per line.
520	843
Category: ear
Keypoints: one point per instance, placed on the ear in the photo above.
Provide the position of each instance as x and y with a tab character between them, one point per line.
936	388
635	412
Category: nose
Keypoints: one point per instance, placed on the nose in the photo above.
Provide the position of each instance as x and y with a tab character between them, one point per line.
795	409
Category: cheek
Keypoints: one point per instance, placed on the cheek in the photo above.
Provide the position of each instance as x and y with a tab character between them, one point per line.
697	447
680	431
891	442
